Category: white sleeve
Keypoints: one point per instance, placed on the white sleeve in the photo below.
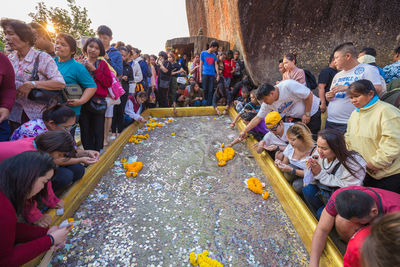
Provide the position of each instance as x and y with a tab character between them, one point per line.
288	152
343	177
299	90
137	73
264	110
129	111
372	74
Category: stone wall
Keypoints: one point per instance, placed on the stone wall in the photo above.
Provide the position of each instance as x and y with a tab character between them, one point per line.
265	30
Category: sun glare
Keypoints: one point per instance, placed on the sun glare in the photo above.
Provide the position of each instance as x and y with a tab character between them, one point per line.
50	28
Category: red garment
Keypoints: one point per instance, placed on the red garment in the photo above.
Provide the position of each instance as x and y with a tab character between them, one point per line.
136	105
8	91
390	200
12	148
103	78
352	257
32	240
229	65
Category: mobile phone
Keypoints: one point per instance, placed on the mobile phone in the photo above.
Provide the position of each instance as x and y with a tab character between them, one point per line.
315	157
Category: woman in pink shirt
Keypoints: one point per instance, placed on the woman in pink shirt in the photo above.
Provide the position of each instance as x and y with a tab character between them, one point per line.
23	177
293	72
60	146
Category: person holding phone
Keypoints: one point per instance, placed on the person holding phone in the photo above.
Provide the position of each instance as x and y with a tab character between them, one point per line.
23	177
331	166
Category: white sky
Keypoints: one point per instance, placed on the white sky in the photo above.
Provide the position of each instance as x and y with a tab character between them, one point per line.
145	24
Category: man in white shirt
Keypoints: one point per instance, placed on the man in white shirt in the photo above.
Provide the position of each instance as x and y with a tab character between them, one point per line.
340	108
275	141
292	100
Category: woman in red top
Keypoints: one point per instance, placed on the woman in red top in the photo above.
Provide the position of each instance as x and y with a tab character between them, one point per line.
92	114
23	177
229	69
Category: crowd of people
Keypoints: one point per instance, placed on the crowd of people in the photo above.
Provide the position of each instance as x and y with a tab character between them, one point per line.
347	173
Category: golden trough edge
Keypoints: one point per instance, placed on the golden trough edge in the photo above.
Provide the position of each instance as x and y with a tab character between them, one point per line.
301	217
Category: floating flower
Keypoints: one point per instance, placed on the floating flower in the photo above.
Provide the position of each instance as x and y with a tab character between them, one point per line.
203	260
265	195
255	185
214	119
225	156
222	145
172	134
123	160
132	168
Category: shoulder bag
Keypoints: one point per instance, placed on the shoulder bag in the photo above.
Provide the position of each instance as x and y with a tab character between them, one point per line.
42	96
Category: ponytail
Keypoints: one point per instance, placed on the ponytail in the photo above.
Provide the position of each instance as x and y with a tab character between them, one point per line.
59	113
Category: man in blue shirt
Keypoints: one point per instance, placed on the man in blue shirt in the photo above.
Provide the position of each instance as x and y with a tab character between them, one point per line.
208	69
113	56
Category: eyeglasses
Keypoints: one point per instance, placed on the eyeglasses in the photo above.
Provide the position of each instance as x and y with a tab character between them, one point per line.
68	128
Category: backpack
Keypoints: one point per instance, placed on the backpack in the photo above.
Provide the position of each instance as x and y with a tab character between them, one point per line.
311	82
392	97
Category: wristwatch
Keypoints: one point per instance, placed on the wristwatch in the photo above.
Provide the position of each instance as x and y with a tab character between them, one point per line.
34	84
308	114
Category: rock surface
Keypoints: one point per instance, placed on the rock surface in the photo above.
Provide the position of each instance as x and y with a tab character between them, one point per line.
265	30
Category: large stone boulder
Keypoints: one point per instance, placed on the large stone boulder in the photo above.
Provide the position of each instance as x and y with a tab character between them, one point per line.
265	30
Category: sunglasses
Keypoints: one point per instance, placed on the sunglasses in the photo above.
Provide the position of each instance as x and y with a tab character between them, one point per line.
275	127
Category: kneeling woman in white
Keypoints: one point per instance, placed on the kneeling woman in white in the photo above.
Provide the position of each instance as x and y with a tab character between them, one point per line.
332	166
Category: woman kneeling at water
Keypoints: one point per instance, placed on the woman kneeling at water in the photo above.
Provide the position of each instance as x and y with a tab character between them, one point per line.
24	177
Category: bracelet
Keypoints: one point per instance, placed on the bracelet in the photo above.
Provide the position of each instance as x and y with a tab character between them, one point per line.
52	239
33	84
293	172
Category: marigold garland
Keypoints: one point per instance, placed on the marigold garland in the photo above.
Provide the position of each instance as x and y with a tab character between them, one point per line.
203	260
225	156
138	138
255	185
132	168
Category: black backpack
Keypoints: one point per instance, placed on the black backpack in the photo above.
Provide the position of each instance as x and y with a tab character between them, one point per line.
392	97
311	82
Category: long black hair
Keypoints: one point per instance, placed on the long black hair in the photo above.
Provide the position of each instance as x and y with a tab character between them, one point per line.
337	144
19	173
98	42
60	141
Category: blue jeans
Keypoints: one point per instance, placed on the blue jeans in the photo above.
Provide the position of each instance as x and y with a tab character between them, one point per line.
198	103
66	175
208	86
5	131
127	120
314	202
227	82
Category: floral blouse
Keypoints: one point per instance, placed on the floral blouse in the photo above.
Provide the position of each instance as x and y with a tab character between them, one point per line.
23	70
31	128
392	72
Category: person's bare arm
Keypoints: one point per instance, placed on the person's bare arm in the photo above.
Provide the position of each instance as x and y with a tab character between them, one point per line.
321	94
324	227
378	89
201	69
253	123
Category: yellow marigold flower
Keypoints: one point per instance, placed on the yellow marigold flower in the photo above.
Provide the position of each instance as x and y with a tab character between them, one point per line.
255	185
133	168
222	145
265	195
172	134
225	156
192	259
123	160
214	119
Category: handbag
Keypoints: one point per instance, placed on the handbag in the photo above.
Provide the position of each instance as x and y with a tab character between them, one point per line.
72	91
96	105
112	102
164	84
139	87
116	89
42	96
